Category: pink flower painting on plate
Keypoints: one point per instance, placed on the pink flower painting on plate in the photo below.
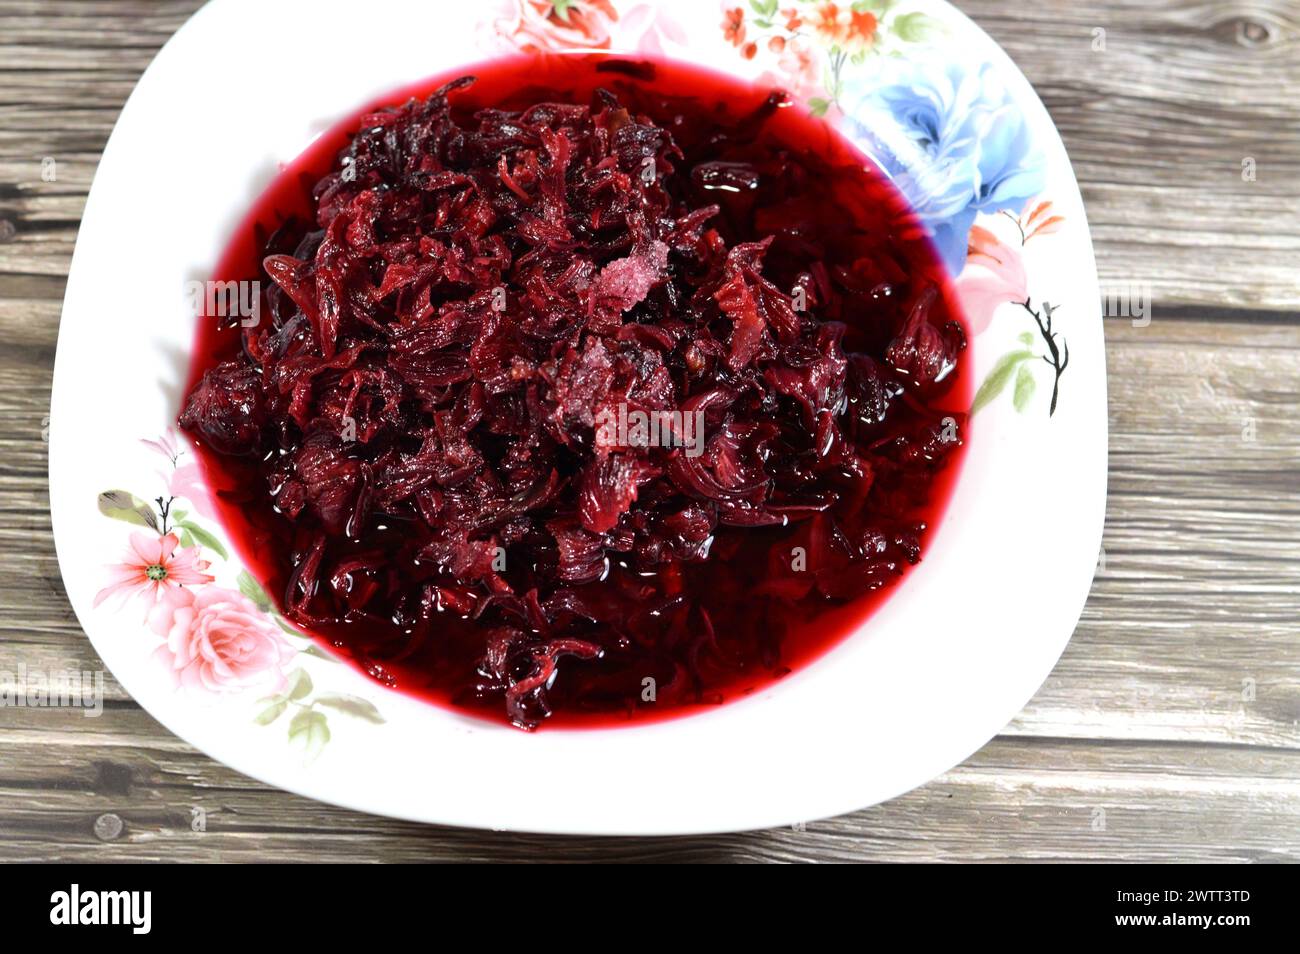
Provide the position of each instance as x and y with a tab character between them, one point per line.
994	276
153	566
212	641
217	640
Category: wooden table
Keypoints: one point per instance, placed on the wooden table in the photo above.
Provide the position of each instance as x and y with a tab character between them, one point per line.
1170	729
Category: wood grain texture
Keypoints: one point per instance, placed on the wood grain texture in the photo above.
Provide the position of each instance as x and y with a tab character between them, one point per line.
1170	729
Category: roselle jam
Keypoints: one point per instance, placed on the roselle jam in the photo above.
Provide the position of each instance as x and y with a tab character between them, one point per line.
589	390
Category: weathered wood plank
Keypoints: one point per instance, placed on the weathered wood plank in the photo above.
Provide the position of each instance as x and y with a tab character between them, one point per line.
1157	125
1045	799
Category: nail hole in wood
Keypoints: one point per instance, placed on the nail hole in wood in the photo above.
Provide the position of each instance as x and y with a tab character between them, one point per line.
108	827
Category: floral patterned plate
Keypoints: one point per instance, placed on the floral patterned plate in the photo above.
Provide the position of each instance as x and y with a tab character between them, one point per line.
946	663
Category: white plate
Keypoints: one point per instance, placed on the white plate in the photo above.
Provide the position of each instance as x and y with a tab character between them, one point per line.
951	657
